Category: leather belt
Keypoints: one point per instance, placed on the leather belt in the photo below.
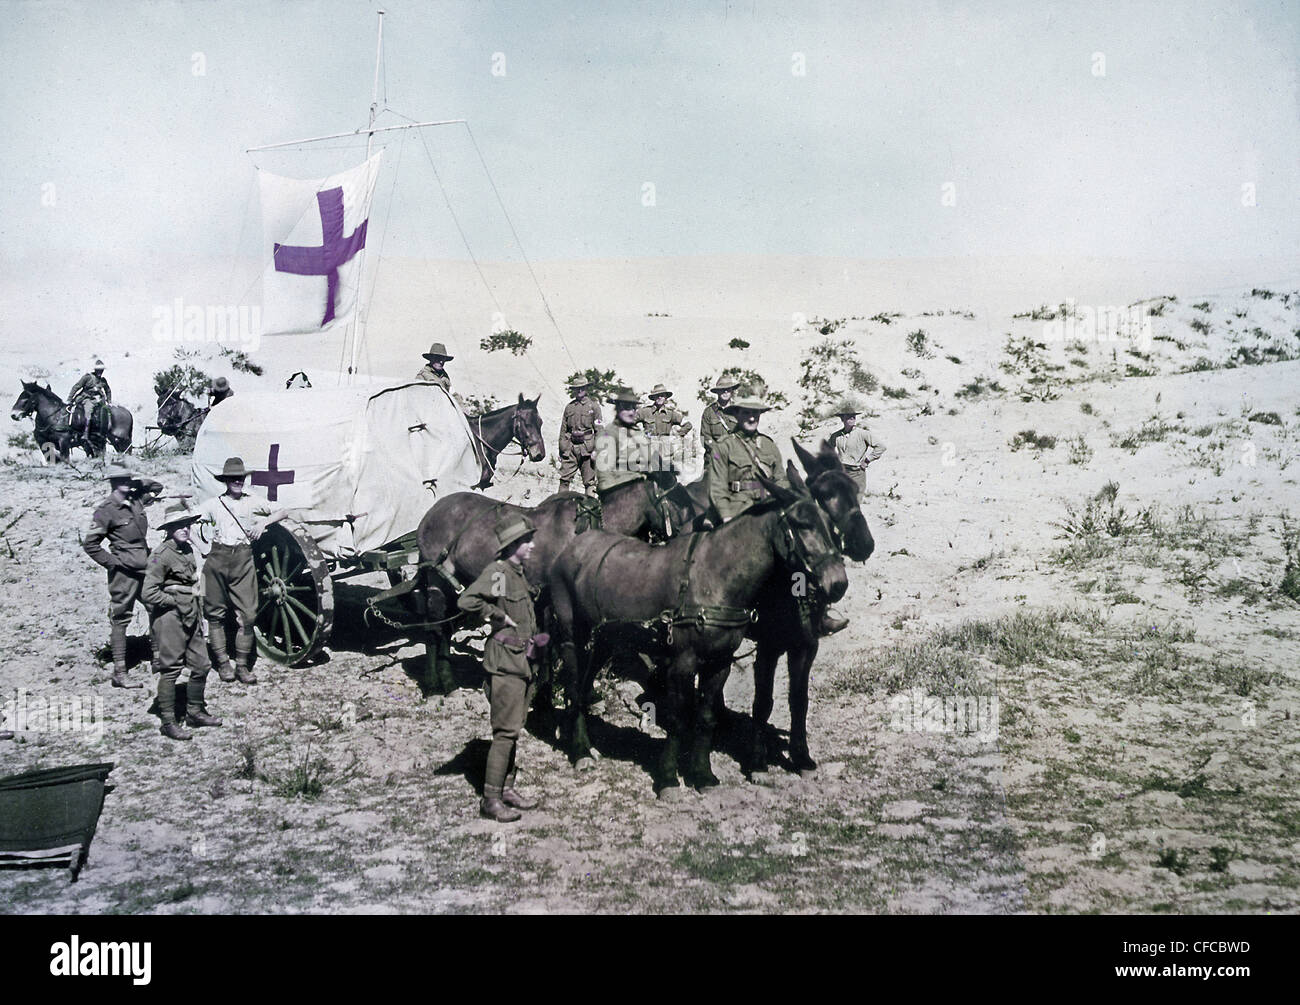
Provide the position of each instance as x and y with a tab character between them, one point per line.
747	487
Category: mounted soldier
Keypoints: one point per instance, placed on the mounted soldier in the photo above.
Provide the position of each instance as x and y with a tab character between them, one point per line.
232	522
435	371
92	389
121	521
578	431
855	446
171	594
715	423
623	451
665	425
219	392
502	596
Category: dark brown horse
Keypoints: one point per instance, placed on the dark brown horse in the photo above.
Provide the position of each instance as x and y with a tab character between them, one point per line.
694	597
456	535
494	431
178	418
53	430
790	625
108	424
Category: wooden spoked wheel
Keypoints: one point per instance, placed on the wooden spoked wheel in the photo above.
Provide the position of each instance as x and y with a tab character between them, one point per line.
295	595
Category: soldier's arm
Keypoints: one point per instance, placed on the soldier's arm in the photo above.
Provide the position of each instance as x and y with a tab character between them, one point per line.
108	392
93	543
153	592
482	597
719	489
683	424
876	448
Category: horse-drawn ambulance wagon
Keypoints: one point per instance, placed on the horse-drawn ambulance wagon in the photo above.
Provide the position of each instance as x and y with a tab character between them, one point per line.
357	467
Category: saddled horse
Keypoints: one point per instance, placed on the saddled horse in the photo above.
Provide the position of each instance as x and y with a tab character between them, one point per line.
457	543
494	431
697	594
54	433
108	424
178	418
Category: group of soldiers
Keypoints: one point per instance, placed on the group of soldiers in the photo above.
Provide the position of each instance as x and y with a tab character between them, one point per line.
179	599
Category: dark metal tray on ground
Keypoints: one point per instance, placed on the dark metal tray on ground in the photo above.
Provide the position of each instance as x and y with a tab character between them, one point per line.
48	817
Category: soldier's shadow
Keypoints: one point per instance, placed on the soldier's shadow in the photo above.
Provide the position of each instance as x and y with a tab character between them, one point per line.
470	763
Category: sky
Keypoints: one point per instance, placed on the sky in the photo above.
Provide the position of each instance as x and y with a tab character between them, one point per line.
881	130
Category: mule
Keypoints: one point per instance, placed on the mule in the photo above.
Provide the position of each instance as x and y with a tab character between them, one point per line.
456	535
699	592
494	431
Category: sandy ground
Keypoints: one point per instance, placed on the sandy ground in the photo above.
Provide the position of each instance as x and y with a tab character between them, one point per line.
1145	746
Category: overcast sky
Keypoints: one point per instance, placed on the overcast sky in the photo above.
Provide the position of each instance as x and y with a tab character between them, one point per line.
1111	129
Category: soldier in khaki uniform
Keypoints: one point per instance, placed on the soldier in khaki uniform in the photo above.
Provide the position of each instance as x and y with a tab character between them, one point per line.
665	425
737	460
623	451
501	595
93	389
435	371
715	423
120	519
232	522
219	392
170	591
578	430
855	446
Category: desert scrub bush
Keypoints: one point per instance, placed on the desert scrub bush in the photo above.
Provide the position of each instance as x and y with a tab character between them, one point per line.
1086	407
1201	364
1157	310
1153	430
1290	585
1031	438
516	342
1267	418
1263	294
239	361
885	319
1204	305
1024	355
1080	452
919	345
894	392
1023	637
925	664
1199	325
479	404
953	359
737	343
181	378
979	387
751	379
22	441
827	372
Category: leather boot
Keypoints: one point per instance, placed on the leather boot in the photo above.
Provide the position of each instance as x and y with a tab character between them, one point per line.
120	679
244	675
226	671
832	623
175	732
512	798
492	807
196	713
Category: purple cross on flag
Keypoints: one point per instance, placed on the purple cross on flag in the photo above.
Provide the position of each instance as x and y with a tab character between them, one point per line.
314	231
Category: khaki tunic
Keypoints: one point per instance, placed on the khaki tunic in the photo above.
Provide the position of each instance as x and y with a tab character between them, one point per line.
734	466
502	589
90	386
578	428
714	425
856	448
169	586
666	421
124	526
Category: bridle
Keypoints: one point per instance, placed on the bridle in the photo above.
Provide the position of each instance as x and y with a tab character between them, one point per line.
794	552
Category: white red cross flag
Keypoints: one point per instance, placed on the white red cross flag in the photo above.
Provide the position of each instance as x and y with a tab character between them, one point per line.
313	232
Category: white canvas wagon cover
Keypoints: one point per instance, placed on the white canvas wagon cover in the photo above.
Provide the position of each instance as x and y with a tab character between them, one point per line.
359	467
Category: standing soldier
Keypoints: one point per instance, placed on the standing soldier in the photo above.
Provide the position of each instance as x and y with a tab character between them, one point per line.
219	392
231	523
737	460
578	432
93	389
171	593
665	426
435	371
854	444
715	423
120	519
622	450
501	594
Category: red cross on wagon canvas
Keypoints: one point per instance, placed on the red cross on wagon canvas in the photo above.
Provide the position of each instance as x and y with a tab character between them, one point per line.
313	232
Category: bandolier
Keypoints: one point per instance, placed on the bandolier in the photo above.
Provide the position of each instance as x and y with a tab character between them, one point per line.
738	459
